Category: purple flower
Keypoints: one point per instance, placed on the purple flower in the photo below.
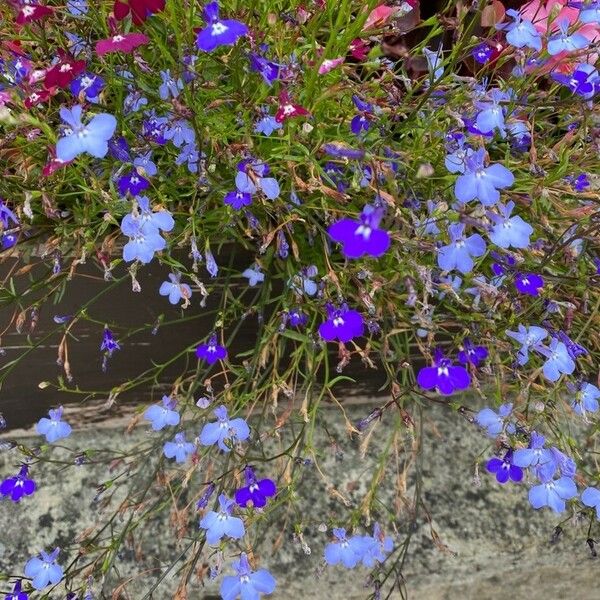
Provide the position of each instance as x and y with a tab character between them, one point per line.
529	283
591	497
18	486
347	551
17	594
178	448
88	84
586	399
553	493
221	524
109	344
457	254
482	53
268	70
472	354
504	469
175	289
79	138
161	416
53	428
492	422
443	376
211	352
295	317
342	324
482	182
362	236
247	584
224	429
43	570
133	183
583	81
218	32
255	493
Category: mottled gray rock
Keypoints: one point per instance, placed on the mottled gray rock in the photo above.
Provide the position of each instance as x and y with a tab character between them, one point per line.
478	541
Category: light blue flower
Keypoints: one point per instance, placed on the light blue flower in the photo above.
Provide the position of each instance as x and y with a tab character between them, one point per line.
553	493
79	138
591	497
163	415
521	33
586	399
43	570
563	42
254	275
530	338
493	422
558	361
222	523
434	62
377	547
267	125
175	289
144	240
224	429
53	428
180	133
169	86
247	584
178	448
509	231
347	551
144	162
590	13
482	182
459	252
491	114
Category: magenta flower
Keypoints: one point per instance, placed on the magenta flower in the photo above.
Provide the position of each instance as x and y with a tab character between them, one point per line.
126	42
31	13
287	109
140	9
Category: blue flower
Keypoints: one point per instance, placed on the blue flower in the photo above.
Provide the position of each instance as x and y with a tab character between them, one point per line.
360	237
222	523
224	429
529	283
176	290
458	152
190	155
268	70
180	133
434	62
482	53
590	12
457	254
377	547
347	551
251	177
254	275
342	324
144	164
482	182
237	199
584	81
211	352
492	422
443	376
504	469
586	399
43	570
563	42
218	32
169	86
178	449
247	584
89	84
53	428
509	231
161	416
18	486
553	493
521	33
79	138
591	497
211	263
255	492
560	462
529	338
77	8
109	344
558	361
144	240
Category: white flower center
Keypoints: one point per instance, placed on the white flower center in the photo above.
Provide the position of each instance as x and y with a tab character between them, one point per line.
218	28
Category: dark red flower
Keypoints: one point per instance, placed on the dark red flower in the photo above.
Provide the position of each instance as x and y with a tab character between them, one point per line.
359	49
37	97
54	164
63	72
127	43
32	12
140	9
287	109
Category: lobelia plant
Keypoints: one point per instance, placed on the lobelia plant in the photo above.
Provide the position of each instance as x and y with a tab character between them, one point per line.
359	185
